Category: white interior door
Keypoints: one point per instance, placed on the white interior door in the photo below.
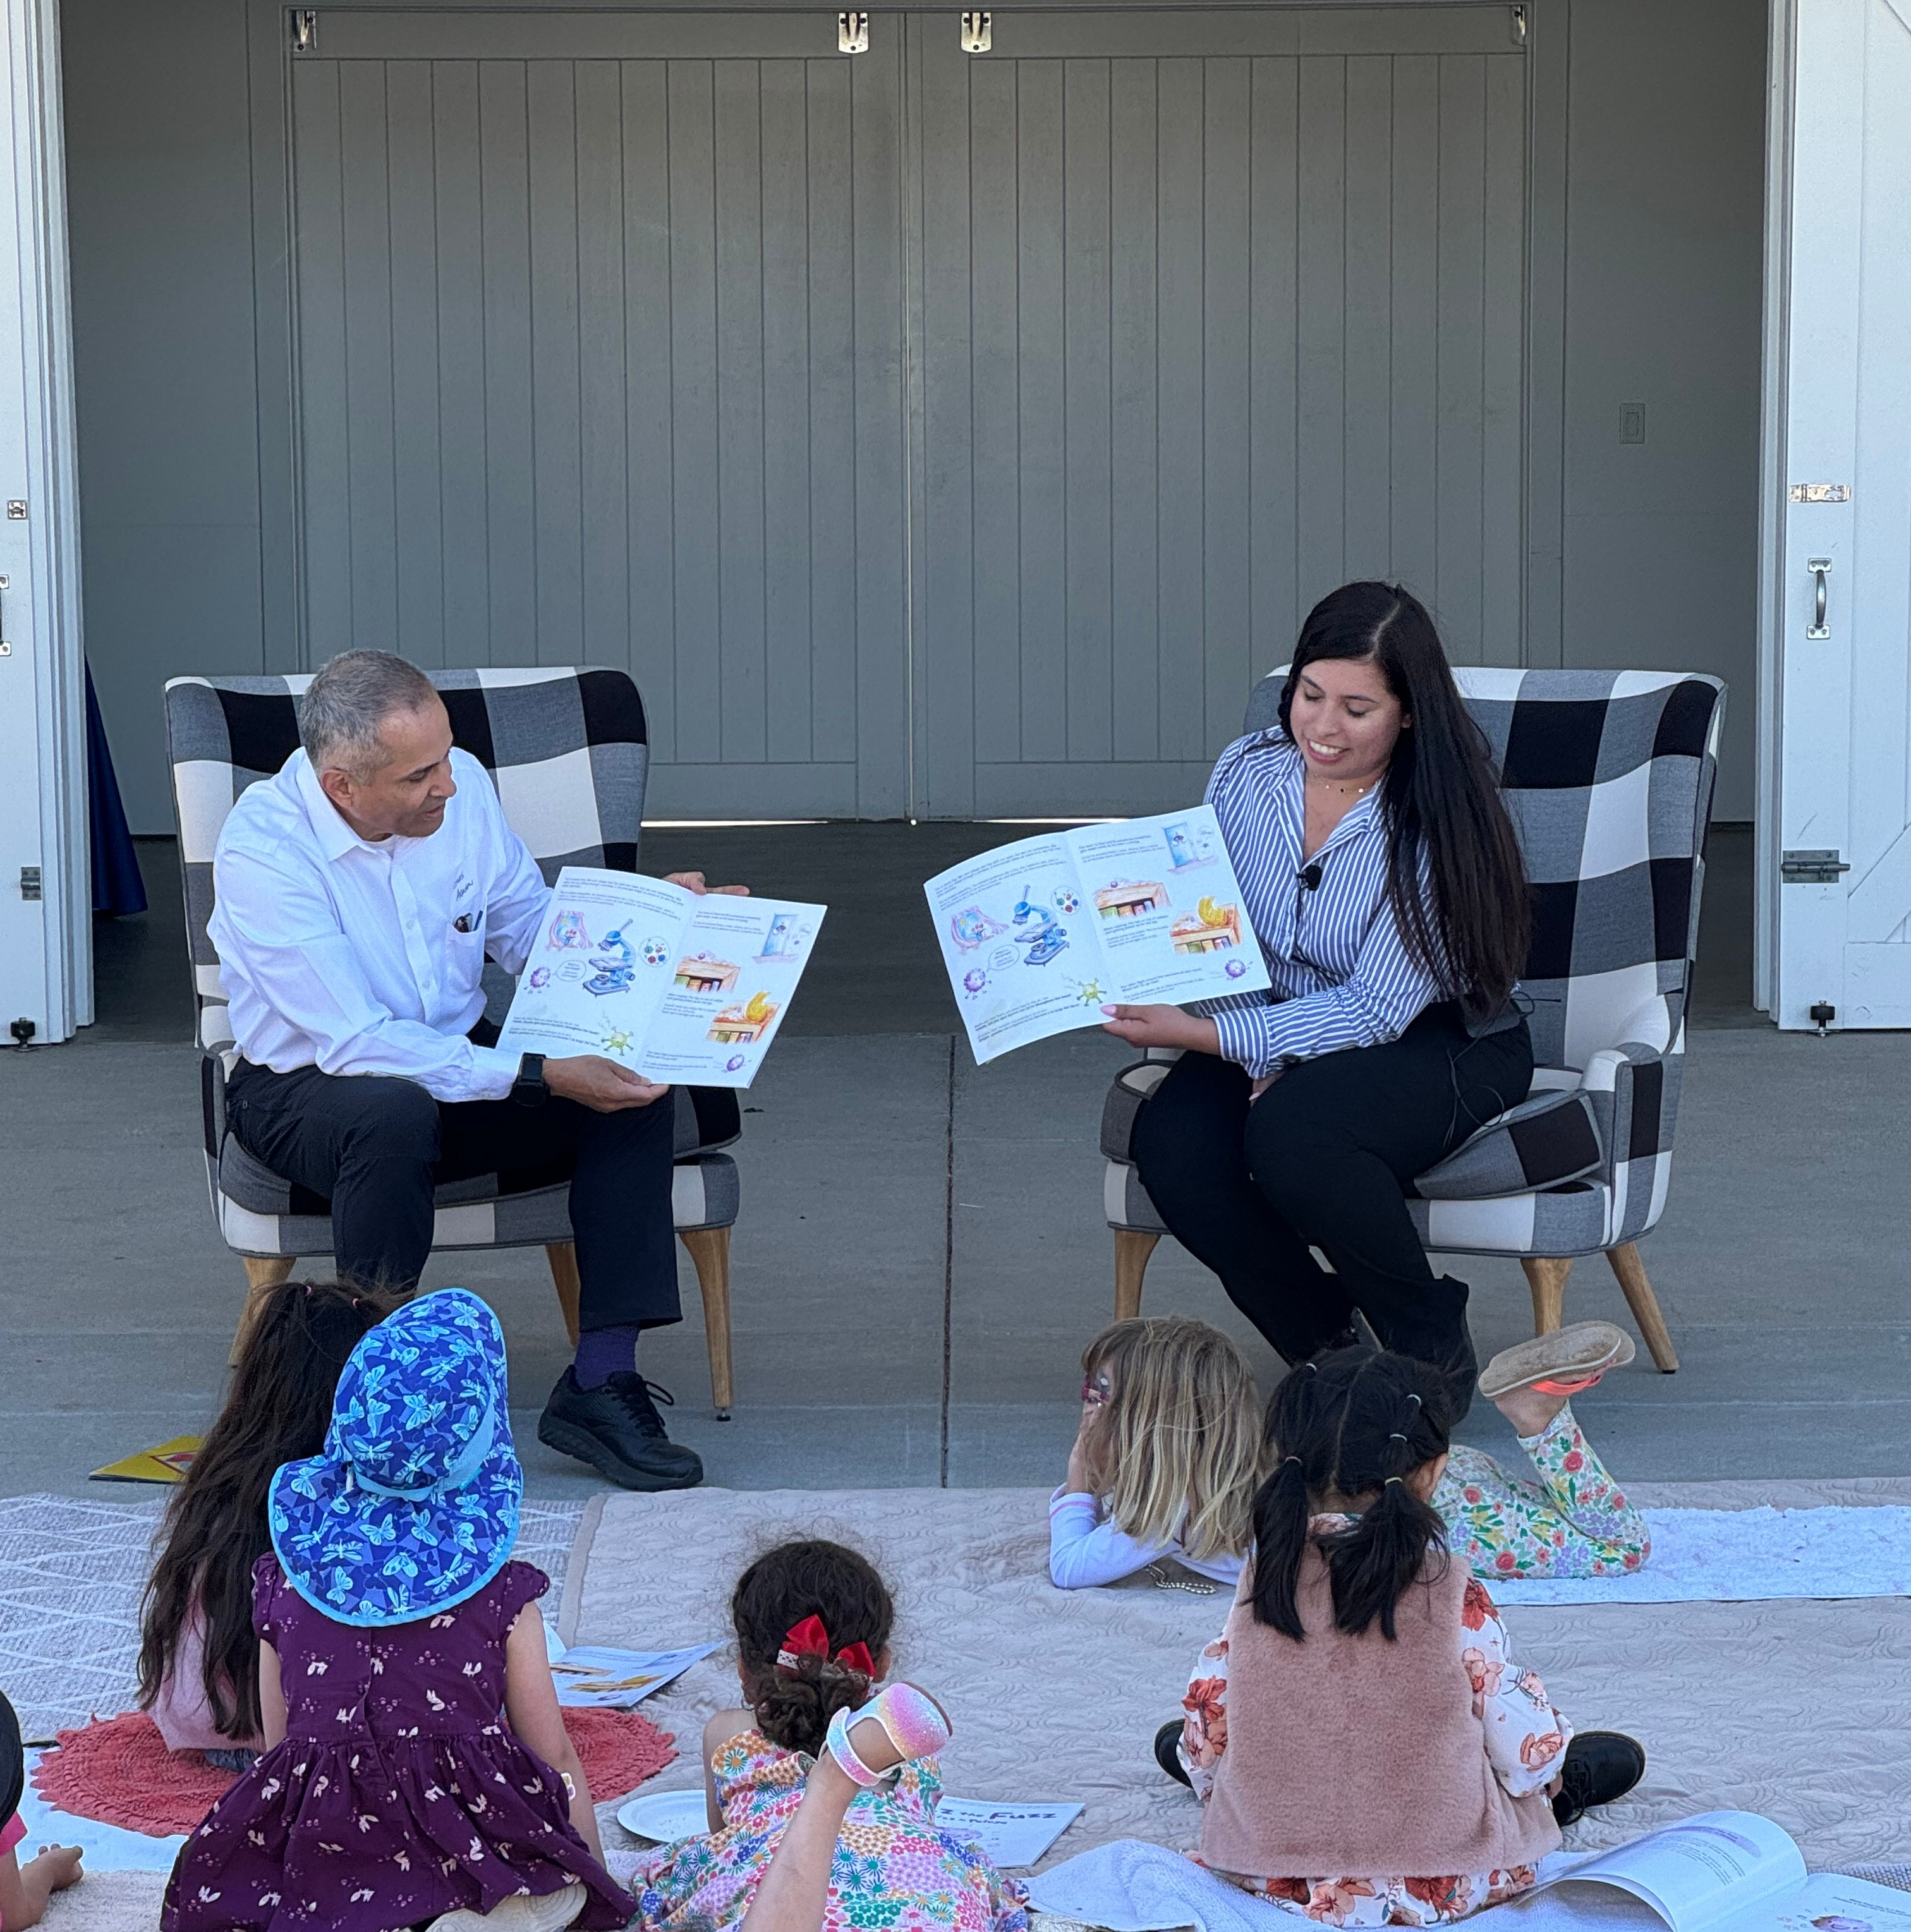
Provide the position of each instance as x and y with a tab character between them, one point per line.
1844	752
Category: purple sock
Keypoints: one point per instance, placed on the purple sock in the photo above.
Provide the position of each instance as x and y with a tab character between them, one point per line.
602	1352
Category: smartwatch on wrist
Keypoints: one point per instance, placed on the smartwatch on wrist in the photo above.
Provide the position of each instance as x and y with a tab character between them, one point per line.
529	1089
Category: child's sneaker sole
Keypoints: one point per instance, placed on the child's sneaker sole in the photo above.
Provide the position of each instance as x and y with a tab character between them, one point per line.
1582	1348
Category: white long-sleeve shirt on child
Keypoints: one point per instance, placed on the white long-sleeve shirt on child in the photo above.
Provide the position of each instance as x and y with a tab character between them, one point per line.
1084	1549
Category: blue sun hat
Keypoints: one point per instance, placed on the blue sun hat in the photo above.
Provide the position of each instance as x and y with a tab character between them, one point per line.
412	1506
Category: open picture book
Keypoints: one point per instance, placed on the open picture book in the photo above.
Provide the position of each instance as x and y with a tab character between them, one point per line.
1721	1871
1038	934
679	986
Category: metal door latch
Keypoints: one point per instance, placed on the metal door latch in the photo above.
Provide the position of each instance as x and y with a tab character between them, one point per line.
29	882
1818	630
978	33
852	33
305	30
1516	24
1821	493
1811	867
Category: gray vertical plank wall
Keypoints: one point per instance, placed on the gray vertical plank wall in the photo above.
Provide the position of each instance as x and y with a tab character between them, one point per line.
1221	310
177	149
600	361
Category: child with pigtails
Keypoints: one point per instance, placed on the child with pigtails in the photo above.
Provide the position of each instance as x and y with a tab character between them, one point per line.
1366	1748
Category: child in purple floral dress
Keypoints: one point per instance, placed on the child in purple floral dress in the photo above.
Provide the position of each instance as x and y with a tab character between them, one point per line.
417	1770
812	1621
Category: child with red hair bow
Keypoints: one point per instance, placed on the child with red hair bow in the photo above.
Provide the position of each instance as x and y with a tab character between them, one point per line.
812	1621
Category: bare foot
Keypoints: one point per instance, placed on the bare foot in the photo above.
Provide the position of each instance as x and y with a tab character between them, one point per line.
1528	1410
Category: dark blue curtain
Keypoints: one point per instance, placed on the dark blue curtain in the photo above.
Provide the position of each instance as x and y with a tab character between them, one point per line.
117	886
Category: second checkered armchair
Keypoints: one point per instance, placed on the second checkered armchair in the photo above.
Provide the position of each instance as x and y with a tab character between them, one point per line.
567	750
1607	776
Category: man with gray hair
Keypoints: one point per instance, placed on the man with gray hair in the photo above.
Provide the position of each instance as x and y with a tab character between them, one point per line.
358	893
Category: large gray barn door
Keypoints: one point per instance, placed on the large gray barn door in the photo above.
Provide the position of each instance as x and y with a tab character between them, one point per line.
1219	311
600	361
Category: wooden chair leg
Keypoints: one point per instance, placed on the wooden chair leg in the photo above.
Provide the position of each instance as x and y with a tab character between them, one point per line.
1547	1278
1644	1304
264	1272
562	1257
1132	1245
709	1253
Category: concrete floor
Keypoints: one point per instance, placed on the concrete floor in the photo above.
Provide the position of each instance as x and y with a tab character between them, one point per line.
921	1254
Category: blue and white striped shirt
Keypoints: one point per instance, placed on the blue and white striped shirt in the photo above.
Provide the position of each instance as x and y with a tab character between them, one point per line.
1342	976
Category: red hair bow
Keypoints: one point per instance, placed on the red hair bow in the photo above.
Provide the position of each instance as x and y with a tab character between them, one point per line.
809	1638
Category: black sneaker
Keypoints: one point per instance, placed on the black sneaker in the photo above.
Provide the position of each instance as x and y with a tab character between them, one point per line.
617	1429
1166	1738
1599	1766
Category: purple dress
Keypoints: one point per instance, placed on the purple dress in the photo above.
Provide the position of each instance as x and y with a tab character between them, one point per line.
400	1792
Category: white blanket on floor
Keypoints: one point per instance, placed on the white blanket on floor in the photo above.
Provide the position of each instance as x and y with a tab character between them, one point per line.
1131	1886
1748	1556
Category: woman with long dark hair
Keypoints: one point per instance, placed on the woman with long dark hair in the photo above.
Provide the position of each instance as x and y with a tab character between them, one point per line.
1383	880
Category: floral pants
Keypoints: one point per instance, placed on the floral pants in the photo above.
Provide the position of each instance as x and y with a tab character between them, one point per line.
1573	1521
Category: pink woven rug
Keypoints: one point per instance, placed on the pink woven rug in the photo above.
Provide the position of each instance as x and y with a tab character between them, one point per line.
118	1770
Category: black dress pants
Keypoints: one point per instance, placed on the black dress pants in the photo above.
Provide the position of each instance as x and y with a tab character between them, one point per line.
374	1147
1324	1160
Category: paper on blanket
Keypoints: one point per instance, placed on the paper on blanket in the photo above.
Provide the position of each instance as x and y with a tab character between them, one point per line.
683	987
594	1677
1037	934
1721	1871
1011	1835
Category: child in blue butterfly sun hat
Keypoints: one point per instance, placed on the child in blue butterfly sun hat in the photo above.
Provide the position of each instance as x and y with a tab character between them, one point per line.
417	1770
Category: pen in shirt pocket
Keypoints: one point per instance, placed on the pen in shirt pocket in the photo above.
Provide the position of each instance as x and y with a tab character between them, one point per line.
465	922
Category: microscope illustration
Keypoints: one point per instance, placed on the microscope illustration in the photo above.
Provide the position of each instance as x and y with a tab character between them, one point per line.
1046	937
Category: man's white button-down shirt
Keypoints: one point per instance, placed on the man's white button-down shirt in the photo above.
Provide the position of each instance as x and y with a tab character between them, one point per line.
355	957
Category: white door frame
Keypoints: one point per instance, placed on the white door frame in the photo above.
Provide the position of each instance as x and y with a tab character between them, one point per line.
45	945
1774	400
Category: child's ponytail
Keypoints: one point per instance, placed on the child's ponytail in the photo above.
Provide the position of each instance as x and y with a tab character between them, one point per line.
1282	1506
1375	1564
1356	1422
812	1621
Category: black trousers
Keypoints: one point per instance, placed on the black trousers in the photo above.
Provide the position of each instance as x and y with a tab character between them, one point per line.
1324	1159
374	1148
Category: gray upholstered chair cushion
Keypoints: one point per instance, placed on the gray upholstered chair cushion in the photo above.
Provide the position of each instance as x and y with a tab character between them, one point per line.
1542	1142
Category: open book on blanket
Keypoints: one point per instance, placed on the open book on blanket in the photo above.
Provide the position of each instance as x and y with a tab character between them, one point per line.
680	987
1722	1871
594	1676
1038	935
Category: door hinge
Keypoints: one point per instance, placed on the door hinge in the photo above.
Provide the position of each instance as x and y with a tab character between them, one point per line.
1821	493
852	33
305	31
978	33
1811	867
1516	22
29	882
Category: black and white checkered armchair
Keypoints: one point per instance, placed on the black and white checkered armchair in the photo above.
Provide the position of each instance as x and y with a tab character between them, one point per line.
1607	776
567	752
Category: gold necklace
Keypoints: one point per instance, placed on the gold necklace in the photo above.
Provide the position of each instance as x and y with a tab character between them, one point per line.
1358	791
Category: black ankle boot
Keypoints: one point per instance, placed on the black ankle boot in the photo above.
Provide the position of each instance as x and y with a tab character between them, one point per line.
1599	1767
1439	1337
1166	1738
